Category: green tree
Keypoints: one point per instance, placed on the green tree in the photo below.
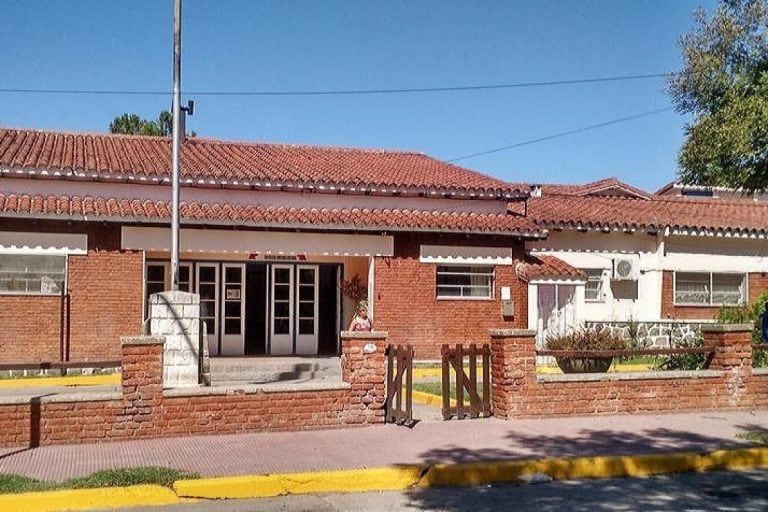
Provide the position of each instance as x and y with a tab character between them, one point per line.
724	85
132	124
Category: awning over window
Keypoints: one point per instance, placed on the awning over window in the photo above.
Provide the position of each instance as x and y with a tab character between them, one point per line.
13	242
259	242
449	254
544	267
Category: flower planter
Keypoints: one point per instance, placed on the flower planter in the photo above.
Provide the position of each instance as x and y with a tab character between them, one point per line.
584	364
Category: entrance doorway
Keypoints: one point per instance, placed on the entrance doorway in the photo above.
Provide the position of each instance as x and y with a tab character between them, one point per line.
262	308
292	309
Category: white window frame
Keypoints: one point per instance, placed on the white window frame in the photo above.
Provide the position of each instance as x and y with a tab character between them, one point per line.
492	285
600	290
64	281
744	293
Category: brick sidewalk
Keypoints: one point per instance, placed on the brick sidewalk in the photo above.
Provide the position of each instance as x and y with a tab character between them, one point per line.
428	442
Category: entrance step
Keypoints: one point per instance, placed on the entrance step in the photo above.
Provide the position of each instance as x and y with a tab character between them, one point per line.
261	370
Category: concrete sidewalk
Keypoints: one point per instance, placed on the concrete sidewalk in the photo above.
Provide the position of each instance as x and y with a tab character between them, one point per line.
427	443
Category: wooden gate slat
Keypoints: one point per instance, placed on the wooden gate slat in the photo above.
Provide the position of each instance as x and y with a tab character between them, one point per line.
466	384
446	353
399	368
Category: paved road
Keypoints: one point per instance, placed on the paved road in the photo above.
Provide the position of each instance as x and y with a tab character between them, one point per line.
745	491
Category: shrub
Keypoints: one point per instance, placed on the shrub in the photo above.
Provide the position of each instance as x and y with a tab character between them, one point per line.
748	314
587	339
685	361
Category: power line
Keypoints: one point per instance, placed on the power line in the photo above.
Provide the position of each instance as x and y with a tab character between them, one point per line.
339	92
564	134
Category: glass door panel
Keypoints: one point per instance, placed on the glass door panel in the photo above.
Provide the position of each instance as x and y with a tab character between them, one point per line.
306	292
208	289
233	314
282	310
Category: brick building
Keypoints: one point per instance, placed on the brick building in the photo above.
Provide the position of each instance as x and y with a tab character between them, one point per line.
662	265
269	234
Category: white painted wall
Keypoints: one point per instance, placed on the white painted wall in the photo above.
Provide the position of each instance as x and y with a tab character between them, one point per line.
247	196
595	250
653	254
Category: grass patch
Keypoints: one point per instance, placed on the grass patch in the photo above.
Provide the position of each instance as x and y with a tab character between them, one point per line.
760	438
10	483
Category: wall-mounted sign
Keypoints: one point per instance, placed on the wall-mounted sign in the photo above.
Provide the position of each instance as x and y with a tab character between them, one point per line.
276	257
233	294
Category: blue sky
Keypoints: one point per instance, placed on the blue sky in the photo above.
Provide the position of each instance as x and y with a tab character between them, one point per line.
310	45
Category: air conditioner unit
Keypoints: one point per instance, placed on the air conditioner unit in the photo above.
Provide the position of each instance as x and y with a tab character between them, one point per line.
624	270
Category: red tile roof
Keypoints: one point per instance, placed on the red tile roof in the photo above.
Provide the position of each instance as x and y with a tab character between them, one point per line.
721	215
610	187
98	208
107	156
544	266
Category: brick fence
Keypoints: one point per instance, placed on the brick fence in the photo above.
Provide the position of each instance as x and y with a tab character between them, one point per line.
728	382
143	409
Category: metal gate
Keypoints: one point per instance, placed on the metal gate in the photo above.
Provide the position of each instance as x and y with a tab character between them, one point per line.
399	404
466	385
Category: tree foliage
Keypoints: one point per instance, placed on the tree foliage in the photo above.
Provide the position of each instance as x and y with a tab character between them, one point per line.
132	124
724	85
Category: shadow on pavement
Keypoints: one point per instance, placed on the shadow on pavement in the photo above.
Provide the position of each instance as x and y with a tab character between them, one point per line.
743	491
583	443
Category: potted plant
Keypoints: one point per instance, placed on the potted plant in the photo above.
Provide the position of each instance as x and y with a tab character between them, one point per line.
585	340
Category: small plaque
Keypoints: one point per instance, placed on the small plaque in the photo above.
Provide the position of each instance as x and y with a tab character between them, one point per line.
233	294
506	293
369	348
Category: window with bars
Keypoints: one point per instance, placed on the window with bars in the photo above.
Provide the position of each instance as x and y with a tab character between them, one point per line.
464	282
32	274
710	289
593	290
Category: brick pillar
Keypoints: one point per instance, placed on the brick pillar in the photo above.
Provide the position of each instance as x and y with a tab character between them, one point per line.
176	317
363	366
513	370
731	346
142	365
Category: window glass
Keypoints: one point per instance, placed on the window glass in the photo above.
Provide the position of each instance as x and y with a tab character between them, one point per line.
704	288
593	290
727	289
32	274
692	288
464	281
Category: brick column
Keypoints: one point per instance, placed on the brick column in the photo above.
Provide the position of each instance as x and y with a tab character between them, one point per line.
513	370
142	365
731	346
363	366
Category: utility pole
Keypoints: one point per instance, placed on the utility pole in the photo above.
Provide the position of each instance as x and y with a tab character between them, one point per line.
177	127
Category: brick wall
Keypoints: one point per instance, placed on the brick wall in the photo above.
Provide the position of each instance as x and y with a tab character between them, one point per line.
142	410
406	306
518	392
104	301
757	284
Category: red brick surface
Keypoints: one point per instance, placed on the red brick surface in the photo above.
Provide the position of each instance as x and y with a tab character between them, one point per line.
517	393
406	306
143	411
104	302
757	284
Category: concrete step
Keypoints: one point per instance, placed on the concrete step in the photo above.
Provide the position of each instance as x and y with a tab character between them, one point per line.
264	370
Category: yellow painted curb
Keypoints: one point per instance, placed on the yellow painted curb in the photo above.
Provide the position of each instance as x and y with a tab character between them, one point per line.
423	373
384	479
398	478
265	486
420	397
593	467
89	499
74	380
